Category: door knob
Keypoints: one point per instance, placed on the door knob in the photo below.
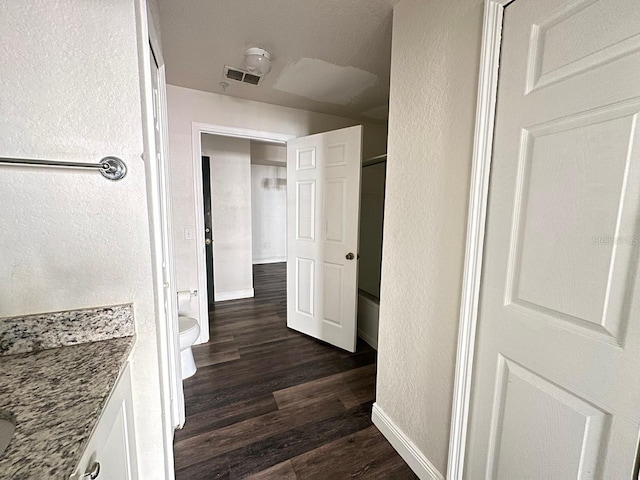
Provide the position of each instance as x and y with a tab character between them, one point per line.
93	471
349	256
207	241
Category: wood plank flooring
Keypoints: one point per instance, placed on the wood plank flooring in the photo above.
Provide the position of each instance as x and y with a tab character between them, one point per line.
271	403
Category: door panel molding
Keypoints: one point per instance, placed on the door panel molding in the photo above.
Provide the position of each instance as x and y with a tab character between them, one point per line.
540	77
594	422
306	218
478	195
601	325
305	277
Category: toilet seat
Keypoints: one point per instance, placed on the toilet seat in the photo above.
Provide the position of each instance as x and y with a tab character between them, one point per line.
189	330
186	324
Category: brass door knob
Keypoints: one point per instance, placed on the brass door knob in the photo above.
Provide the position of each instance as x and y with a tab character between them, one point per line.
350	256
207	241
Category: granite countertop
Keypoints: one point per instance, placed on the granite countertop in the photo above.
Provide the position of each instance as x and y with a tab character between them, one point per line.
57	394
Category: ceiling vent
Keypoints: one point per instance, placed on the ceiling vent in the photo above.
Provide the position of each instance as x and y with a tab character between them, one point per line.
238	75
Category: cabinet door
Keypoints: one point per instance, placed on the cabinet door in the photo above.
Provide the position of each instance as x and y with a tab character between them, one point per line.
112	444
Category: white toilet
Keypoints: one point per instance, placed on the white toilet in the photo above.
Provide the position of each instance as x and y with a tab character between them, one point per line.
189	332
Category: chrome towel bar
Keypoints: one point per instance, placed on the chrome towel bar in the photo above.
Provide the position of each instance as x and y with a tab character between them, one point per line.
110	167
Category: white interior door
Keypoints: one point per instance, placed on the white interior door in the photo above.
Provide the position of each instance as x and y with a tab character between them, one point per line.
556	391
323	209
162	218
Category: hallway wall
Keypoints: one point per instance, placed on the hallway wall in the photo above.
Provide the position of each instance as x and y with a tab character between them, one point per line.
230	168
269	213
434	74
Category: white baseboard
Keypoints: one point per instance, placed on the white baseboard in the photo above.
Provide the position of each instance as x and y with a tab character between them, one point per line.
261	261
420	465
368	338
222	296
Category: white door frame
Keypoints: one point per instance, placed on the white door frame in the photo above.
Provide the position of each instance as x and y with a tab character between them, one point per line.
197	129
479	191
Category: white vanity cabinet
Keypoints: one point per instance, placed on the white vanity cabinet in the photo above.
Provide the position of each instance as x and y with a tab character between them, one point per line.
110	453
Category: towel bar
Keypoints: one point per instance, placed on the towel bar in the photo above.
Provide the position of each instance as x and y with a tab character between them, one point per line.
110	167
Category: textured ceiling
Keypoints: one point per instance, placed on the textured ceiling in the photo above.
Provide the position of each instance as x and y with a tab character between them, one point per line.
342	41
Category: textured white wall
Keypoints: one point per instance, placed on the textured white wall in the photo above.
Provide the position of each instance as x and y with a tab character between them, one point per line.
187	106
230	169
71	239
434	71
269	213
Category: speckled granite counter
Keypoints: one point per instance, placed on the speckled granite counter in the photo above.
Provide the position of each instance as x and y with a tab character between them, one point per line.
56	395
42	331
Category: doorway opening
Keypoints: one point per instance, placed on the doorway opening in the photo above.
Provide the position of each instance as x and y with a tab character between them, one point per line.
244	212
222	132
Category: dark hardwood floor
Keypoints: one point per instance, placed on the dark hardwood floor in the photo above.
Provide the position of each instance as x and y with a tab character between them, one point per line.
271	403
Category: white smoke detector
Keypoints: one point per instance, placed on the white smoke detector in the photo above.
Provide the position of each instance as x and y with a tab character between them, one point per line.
257	61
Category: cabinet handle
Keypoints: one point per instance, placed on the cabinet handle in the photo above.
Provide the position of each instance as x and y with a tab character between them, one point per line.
93	471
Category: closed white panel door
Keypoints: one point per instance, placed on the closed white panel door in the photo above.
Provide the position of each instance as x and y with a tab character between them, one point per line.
164	219
323	208
556	391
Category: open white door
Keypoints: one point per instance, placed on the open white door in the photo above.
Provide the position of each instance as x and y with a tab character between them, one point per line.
323	216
